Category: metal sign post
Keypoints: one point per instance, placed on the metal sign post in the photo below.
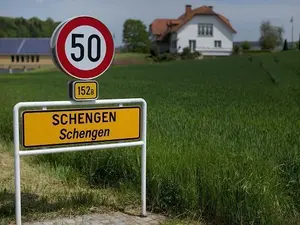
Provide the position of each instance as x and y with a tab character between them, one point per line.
83	48
18	153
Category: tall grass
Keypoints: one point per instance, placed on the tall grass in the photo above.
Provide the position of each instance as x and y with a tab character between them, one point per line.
223	139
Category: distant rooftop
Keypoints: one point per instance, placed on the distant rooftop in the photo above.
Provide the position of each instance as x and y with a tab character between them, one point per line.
25	46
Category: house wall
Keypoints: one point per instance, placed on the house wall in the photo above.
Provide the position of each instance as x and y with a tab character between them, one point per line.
6	61
206	45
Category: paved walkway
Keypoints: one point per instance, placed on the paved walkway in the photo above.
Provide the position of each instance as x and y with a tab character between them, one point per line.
116	218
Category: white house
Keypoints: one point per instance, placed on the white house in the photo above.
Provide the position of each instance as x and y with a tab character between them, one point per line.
201	29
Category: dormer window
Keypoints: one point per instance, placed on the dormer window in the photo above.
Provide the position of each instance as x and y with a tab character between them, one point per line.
205	29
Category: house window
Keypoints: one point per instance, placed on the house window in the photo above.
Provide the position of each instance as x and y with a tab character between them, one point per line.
12	58
17	58
27	58
218	44
174	44
205	29
192	45
37	58
22	58
32	58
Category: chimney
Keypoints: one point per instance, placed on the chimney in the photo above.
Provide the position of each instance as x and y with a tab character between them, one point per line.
188	9
211	7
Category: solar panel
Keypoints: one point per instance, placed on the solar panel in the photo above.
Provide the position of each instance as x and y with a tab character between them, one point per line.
39	46
10	45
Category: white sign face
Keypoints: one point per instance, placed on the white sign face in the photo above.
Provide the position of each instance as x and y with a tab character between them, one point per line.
85	47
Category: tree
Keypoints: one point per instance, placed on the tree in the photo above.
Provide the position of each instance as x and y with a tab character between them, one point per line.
285	46
135	36
21	27
270	35
246	45
236	49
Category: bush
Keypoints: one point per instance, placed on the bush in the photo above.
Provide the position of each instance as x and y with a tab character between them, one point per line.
196	54
236	49
154	51
186	51
187	54
165	57
294	46
246	45
256	51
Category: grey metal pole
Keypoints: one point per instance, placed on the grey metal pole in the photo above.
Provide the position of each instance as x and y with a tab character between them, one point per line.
17	167
143	161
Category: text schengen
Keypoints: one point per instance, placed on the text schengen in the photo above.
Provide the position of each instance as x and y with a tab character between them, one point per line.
76	118
71	126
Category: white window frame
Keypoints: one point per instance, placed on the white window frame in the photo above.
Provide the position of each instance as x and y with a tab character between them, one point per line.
218	44
195	45
205	30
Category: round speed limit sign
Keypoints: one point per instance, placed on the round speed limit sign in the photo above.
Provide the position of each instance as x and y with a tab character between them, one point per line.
82	47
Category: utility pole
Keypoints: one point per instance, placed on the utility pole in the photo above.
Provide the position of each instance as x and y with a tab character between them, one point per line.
299	42
292	21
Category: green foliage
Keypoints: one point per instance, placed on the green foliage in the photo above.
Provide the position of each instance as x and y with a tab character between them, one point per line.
165	57
236	49
187	54
294	46
285	46
270	35
20	27
256	52
135	36
186	51
246	45
223	139
154	51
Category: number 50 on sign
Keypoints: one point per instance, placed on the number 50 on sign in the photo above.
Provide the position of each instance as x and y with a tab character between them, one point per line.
77	42
83	47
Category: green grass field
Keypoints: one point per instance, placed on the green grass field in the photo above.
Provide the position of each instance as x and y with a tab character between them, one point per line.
129	56
223	135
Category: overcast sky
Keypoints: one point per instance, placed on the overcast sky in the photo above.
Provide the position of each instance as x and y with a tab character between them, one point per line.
245	15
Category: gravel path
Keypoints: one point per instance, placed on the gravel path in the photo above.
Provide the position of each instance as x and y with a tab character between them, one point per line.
116	218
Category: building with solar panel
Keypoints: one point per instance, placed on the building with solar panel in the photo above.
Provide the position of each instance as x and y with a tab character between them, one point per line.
25	53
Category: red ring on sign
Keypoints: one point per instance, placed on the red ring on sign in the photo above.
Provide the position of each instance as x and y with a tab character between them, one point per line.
61	53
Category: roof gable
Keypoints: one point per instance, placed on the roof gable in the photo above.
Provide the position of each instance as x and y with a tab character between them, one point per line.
161	27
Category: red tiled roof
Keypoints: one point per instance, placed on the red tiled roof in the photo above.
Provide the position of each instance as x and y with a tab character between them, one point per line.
159	26
162	27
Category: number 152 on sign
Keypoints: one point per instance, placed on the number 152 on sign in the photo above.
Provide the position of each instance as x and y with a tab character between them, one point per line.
83	90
